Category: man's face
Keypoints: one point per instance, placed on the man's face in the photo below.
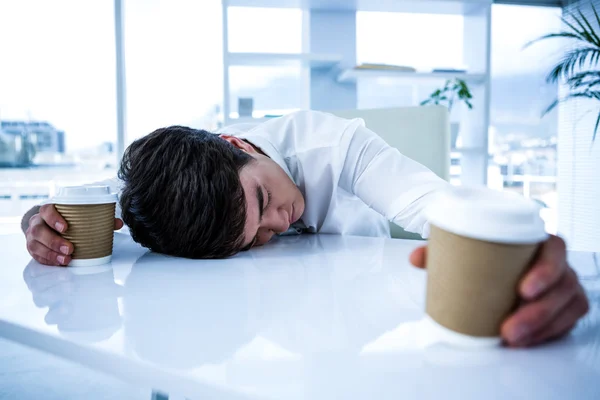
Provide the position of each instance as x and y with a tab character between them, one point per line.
273	201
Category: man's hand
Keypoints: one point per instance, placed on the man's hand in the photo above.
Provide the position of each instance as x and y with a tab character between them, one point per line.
552	298
44	242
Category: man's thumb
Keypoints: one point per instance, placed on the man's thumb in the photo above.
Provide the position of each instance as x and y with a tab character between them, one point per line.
418	257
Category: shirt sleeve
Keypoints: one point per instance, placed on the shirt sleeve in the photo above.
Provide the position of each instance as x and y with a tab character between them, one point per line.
387	181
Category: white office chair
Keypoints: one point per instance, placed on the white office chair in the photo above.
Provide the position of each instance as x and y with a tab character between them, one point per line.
421	133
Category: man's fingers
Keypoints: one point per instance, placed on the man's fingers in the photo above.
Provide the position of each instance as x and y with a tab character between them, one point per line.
547	270
564	321
40	252
39	231
536	315
118	224
41	260
418	257
53	218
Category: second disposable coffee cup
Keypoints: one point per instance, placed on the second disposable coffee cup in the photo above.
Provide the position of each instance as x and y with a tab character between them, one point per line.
90	215
481	244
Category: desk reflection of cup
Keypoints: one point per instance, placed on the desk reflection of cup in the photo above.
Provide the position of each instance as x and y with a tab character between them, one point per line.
83	306
90	215
481	244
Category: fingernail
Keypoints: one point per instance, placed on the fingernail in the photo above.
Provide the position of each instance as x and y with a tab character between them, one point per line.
59	226
534	288
519	334
61	259
64	250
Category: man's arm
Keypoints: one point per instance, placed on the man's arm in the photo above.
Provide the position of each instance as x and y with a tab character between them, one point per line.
387	181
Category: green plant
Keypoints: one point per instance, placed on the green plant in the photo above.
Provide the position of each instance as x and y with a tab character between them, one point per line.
454	89
578	68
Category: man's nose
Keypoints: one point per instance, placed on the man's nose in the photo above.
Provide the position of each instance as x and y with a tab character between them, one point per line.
278	221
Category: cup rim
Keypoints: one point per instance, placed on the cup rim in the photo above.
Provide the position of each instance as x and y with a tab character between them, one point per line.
83	195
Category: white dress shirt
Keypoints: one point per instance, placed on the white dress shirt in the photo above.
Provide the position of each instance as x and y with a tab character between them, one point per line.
353	182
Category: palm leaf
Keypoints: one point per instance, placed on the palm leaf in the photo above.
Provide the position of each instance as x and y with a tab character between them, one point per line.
587	33
584	80
596	128
562	34
583	33
596	15
586	74
573	58
588	94
552	106
583	84
588	28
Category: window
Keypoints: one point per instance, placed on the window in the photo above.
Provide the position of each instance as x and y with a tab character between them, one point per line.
274	90
522	143
57	100
173	58
426	43
260	80
265	30
389	38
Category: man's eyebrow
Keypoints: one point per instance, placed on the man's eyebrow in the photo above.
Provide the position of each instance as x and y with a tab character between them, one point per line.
261	202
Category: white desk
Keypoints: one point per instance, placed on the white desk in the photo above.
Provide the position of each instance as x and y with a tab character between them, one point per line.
318	317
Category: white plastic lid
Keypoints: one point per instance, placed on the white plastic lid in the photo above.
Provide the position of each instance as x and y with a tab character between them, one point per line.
490	215
84	195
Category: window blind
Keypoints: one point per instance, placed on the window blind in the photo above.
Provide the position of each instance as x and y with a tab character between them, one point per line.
578	177
540	3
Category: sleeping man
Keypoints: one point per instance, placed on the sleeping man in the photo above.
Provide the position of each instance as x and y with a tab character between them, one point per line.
191	193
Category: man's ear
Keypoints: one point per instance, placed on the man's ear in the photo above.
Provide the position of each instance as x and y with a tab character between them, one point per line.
239	143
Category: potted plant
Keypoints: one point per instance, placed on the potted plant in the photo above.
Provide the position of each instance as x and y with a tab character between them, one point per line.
453	90
578	68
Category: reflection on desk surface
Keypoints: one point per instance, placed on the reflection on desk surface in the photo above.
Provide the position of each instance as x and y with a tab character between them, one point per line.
308	316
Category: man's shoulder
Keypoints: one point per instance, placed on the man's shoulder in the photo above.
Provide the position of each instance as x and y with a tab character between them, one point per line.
309	129
237	129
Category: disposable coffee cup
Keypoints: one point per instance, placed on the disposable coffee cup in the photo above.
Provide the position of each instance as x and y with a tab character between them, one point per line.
481	244
90	215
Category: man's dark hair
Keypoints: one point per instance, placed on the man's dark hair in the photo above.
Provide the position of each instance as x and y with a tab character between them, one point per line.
182	194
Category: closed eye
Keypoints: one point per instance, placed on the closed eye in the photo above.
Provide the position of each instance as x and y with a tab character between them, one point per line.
268	198
262	207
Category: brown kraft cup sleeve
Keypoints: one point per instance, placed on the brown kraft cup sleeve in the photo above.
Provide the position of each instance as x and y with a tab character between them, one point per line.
472	285
90	229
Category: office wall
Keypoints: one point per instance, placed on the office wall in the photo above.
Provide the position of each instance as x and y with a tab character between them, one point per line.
579	163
